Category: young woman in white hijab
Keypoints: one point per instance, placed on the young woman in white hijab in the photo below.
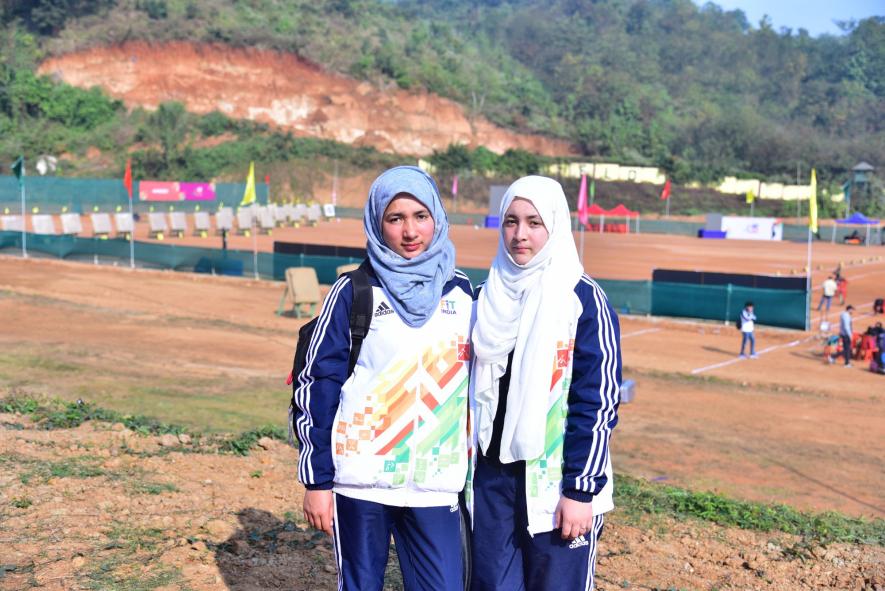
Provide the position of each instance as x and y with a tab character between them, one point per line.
545	385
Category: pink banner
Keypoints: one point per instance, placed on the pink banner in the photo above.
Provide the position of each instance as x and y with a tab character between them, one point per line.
197	191
173	191
158	191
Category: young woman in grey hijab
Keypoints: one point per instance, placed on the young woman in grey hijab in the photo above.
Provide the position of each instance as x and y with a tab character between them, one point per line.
384	449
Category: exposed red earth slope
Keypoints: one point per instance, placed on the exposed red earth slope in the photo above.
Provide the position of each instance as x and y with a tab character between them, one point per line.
287	92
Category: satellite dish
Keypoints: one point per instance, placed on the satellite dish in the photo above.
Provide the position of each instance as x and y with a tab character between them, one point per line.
46	164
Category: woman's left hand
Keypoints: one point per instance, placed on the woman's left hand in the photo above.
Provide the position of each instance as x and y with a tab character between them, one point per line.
574	518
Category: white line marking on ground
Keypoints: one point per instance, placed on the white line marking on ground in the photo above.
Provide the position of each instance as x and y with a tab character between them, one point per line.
739	359
639	332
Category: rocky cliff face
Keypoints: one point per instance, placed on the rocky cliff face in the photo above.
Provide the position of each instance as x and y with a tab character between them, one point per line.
286	92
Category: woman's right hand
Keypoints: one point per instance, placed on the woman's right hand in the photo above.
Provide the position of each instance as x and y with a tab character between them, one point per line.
318	509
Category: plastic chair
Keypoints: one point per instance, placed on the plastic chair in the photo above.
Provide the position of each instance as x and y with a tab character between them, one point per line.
303	288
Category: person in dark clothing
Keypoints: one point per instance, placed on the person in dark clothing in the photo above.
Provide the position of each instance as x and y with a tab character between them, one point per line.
846	334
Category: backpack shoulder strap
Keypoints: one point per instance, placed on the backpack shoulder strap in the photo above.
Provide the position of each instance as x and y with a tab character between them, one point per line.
360	311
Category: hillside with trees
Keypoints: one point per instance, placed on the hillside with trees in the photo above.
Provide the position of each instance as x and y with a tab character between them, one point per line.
699	91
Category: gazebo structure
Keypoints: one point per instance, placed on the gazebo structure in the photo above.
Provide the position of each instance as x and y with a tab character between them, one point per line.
859	219
622	211
595	210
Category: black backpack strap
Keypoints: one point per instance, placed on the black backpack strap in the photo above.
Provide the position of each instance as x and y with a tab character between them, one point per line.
360	311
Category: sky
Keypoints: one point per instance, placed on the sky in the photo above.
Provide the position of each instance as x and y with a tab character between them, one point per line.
816	16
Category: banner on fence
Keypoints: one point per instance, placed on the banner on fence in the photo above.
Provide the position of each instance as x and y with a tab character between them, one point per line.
745	228
175	191
197	191
158	191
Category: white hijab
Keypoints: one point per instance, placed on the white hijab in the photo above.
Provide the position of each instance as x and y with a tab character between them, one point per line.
525	309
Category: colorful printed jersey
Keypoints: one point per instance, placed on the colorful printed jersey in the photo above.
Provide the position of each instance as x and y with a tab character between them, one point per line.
395	431
582	410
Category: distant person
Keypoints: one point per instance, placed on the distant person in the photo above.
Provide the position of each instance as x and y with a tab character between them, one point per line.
846	333
748	328
829	290
842	289
384	449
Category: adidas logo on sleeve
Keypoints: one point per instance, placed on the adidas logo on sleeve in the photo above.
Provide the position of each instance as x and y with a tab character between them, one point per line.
383	310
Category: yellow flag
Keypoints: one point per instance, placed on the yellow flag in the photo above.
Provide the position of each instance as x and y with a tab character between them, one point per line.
249	193
812	203
751	196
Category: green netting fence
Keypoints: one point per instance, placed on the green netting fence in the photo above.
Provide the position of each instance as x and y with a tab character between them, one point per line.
628	297
53	194
712	302
773	307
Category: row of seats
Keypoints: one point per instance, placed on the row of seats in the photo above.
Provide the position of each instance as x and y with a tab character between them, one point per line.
71	223
264	218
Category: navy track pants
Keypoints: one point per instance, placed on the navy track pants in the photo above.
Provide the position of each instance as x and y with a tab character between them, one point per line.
428	544
505	557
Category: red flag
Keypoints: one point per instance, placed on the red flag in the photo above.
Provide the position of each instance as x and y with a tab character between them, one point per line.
455	186
583	209
127	178
665	194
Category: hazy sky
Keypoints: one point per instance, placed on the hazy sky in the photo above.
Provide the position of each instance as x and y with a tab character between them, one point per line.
816	16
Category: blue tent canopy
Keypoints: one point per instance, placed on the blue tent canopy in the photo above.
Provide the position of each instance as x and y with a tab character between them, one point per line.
857	218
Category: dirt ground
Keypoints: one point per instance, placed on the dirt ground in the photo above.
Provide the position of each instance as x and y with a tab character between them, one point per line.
208	352
99	507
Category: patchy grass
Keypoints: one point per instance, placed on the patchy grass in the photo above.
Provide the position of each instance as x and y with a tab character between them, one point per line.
40	363
22	502
126	562
79	467
224	402
243	444
153	488
58	414
639	498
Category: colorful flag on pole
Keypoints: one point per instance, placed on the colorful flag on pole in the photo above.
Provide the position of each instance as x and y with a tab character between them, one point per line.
249	193
583	209
455	186
18	168
751	196
665	194
812	203
127	178
592	189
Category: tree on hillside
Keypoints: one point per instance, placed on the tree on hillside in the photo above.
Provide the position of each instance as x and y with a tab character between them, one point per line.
167	126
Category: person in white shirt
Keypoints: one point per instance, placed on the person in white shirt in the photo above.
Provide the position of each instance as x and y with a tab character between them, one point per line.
829	290
748	327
